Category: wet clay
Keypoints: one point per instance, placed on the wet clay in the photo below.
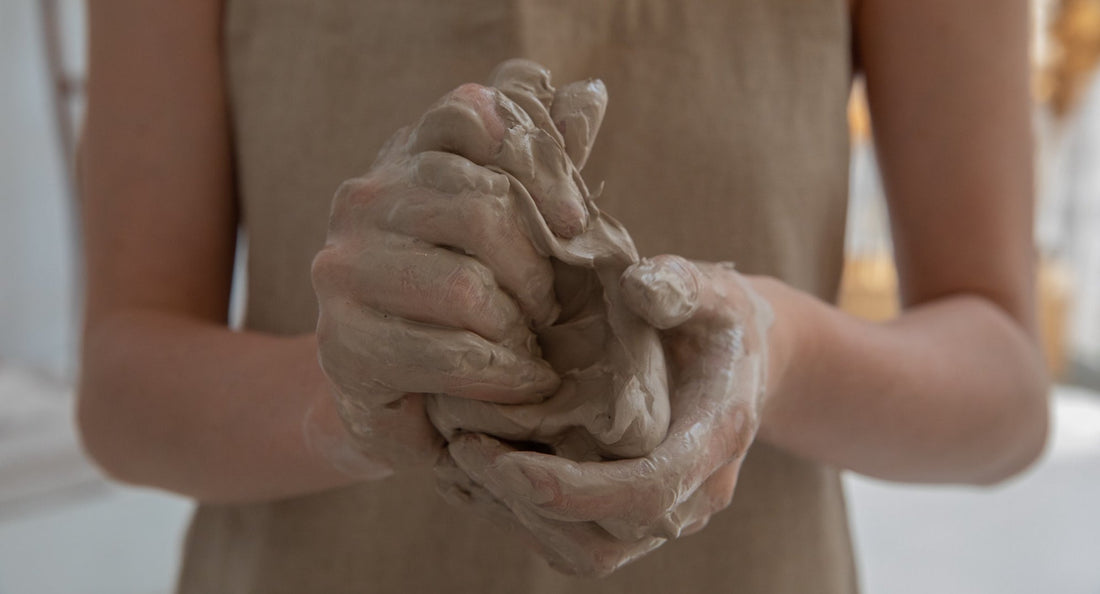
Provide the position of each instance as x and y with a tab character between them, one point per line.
613	399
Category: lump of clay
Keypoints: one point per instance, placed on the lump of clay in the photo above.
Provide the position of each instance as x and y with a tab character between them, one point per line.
613	399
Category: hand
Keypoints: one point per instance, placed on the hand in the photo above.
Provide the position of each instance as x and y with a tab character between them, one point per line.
613	398
429	283
590	518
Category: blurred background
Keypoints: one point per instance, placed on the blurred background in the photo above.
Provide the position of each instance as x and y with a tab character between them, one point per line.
65	529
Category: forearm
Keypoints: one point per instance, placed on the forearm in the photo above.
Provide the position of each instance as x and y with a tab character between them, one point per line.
198	409
951	391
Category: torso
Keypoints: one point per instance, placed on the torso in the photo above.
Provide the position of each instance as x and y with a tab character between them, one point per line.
725	139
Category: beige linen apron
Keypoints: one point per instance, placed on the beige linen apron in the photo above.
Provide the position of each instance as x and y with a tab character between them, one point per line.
725	139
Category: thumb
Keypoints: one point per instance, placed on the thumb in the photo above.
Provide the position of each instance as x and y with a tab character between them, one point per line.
665	291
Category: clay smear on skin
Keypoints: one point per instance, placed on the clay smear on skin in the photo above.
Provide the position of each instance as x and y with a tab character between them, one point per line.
613	399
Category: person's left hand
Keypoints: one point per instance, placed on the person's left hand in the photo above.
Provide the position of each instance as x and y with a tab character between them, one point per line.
590	518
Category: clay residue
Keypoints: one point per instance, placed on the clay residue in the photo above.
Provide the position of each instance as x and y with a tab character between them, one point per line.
613	399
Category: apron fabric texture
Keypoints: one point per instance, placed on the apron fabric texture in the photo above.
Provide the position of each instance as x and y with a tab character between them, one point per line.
725	139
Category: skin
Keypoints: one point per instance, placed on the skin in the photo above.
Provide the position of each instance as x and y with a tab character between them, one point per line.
594	332
953	390
589	518
416	281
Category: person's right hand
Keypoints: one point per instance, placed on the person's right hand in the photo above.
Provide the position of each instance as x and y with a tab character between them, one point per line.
428	283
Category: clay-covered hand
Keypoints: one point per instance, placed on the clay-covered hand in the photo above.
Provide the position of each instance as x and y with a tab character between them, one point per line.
590	518
613	399
430	284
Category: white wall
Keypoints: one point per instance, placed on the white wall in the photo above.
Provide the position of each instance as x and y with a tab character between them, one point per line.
37	306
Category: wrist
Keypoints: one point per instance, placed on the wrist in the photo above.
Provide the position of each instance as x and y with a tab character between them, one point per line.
329	442
784	349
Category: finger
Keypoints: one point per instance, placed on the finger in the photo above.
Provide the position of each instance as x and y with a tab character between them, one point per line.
537	159
475	215
486	127
411	279
665	291
457	488
562	489
527	84
546	172
390	427
362	350
637	493
689	517
577	111
453	174
467	122
713	496
686	517
547	422
569	423
582	549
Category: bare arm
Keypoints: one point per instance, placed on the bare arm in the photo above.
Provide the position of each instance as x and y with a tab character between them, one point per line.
169	395
172	398
954	389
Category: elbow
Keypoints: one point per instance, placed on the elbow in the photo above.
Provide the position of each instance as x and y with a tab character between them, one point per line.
101	435
1024	454
110	424
1024	428
1017	422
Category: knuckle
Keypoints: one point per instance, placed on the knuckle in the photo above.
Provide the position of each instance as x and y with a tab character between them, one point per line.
661	497
495	184
438	170
467	287
659	507
472	103
325	343
484	217
743	419
459	361
327	266
663	504
357	191
338	272
348	202
348	190
647	468
453	174
492	185
395	146
331	356
471	92
441	171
